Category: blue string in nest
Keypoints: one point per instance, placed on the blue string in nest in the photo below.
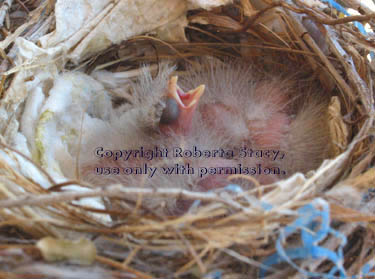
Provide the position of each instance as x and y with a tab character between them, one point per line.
313	225
341	9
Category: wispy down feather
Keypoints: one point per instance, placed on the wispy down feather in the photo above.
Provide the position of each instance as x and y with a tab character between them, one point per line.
241	107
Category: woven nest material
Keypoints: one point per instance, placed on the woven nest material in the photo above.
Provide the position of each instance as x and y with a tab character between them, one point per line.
46	233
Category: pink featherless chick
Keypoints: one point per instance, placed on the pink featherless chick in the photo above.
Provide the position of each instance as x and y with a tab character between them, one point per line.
267	127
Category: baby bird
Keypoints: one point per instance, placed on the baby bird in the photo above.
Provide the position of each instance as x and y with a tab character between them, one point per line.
235	121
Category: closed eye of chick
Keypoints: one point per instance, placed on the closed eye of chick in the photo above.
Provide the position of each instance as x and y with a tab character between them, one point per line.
231	110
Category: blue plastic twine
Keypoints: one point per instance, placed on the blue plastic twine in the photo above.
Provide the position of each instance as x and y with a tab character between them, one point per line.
341	9
357	24
314	226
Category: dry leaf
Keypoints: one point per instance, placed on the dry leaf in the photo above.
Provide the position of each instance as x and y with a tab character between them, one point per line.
207	4
218	20
349	215
349	192
84	28
82	251
345	195
248	8
338	129
173	31
363	181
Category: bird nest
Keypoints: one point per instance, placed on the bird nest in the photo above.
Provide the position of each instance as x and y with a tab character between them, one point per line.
316	224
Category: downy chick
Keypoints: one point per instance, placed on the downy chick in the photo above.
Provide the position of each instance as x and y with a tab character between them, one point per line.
234	109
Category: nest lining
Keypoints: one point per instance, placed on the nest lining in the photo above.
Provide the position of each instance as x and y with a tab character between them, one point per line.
228	233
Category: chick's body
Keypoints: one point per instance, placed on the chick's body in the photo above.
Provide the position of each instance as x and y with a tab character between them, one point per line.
245	117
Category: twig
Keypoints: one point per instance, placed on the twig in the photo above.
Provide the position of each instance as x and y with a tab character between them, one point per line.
113	191
120	266
4	10
23	6
327	20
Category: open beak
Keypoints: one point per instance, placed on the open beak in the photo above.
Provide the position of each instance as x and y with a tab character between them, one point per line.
186	100
180	106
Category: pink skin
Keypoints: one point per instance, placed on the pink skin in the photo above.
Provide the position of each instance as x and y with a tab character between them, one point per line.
187	103
265	135
269	133
213	181
183	124
213	113
275	128
208	182
186	114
